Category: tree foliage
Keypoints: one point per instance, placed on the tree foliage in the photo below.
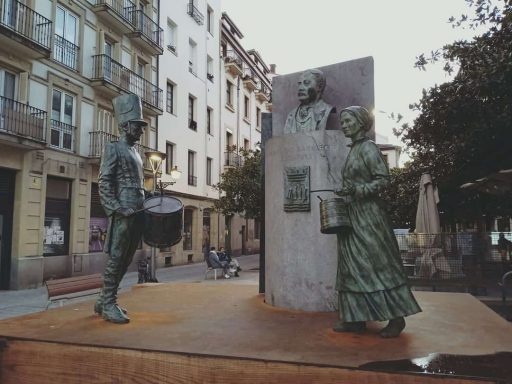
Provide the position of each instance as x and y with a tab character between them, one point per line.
464	128
241	187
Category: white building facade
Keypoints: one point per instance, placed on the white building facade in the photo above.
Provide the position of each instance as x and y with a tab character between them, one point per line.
61	63
205	122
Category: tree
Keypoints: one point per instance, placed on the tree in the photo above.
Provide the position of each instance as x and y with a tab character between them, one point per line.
464	128
241	187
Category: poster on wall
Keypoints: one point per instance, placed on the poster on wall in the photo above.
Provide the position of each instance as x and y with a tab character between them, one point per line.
54	242
97	233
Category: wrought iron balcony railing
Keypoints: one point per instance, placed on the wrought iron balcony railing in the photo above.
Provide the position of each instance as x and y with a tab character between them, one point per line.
65	52
99	139
26	22
146	26
62	135
22	120
192	180
194	13
121	7
232	159
107	69
233	57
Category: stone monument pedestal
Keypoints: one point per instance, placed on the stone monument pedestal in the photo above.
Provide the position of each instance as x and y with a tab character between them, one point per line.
300	261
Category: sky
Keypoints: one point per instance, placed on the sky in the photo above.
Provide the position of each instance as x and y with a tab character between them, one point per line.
301	34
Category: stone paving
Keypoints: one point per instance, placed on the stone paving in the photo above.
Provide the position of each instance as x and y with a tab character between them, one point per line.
26	301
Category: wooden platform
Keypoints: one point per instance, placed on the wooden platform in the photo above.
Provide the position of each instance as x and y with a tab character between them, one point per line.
201	333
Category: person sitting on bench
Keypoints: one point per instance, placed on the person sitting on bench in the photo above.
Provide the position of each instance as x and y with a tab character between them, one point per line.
214	262
233	263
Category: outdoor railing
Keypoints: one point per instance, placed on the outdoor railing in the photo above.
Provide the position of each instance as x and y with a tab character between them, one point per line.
192	180
232	159
25	21
467	257
65	52
233	57
107	69
62	135
193	12
98	140
146	26
22	120
121	7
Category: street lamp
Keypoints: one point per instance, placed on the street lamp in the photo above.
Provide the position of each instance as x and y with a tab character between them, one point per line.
155	160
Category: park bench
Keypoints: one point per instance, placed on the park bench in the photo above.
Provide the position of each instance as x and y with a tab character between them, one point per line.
73	287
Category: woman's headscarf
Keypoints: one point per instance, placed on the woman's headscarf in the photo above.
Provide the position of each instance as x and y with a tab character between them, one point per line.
363	117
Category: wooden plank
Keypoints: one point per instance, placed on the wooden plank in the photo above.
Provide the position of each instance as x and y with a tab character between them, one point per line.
74	279
25	361
65	286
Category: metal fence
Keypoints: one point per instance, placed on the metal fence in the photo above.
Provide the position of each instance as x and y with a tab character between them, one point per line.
472	258
22	120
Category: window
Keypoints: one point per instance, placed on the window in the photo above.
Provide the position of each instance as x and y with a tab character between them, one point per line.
209	163
192	57
57	217
258	117
98	222
62	129
209	68
66	38
8	84
169	101
209	20
229	93
192	179
246	144
105	122
170	150
141	65
192	124
172	36
246	107
209	115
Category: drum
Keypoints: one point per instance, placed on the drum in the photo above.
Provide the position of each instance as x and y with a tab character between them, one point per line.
334	216
163	221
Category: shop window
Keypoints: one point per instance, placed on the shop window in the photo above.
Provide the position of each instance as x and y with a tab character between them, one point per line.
98	222
56	220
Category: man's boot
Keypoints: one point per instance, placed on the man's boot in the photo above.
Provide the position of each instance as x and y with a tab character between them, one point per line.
98	305
111	311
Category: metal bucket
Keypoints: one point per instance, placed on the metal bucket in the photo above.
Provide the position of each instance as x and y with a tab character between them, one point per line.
163	221
334	216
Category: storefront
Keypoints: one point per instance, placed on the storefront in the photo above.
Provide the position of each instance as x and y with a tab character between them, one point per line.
7	181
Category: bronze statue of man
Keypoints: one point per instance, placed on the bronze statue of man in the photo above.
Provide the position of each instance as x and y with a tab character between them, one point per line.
121	189
313	112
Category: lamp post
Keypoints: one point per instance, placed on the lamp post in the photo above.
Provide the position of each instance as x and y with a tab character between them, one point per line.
155	160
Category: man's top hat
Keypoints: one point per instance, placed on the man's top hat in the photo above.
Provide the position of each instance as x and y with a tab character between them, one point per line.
128	108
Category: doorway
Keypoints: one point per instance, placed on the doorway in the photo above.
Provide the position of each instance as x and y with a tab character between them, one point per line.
244	240
6	214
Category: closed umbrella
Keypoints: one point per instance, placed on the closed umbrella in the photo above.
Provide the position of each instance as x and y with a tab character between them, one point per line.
427	222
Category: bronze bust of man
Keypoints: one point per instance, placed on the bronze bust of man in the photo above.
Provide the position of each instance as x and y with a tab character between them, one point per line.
313	112
121	189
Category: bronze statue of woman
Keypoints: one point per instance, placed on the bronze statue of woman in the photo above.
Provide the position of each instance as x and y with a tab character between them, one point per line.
370	280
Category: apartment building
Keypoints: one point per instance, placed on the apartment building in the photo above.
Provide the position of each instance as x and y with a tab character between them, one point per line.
61	63
215	92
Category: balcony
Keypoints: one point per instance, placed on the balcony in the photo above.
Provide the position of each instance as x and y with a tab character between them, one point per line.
65	52
147	33
24	31
263	93
249	80
22	124
232	159
111	76
98	140
194	13
62	135
115	13
233	63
